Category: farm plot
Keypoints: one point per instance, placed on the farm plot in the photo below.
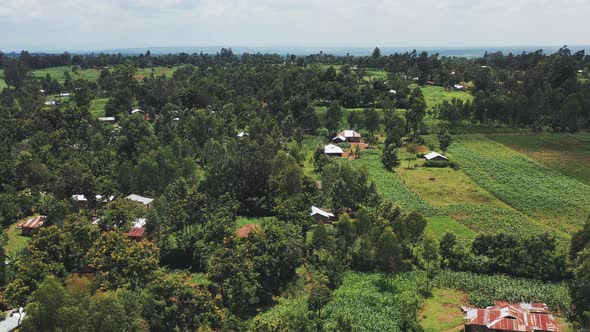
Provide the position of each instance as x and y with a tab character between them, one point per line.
375	302
389	185
438	226
442	311
485	289
96	108
444	186
568	154
539	192
435	95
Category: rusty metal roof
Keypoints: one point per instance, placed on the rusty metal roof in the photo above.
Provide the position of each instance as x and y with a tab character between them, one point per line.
136	232
245	230
33	222
523	317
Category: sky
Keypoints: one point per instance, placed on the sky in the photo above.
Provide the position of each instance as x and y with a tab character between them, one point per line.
45	25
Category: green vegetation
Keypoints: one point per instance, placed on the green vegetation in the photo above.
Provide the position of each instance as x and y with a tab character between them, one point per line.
485	289
16	242
442	311
568	154
441	225
389	185
97	107
444	186
376	302
242	221
529	187
435	95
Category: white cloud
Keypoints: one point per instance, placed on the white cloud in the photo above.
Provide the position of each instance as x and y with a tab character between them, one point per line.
131	23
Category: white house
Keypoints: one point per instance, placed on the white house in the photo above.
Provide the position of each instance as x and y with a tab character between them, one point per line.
140	199
435	156
107	119
347	136
333	150
320	214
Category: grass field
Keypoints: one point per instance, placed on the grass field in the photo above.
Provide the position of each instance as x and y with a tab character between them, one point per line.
389	184
568	154
16	242
441	225
242	221
538	191
442	311
2	82
97	107
444	186
435	95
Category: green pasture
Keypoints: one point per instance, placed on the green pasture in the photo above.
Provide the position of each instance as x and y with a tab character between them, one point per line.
569	154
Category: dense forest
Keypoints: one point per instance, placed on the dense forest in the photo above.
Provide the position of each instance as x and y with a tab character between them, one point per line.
224	139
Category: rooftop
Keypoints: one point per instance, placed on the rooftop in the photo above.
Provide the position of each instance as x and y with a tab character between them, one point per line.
140	199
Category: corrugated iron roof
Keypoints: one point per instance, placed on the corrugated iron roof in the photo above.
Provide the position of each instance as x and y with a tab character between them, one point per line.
523	317
33	222
316	210
136	232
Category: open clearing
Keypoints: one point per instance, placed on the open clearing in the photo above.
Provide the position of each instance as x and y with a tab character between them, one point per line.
97	107
568	154
435	95
538	191
16	242
442	311
438	226
444	186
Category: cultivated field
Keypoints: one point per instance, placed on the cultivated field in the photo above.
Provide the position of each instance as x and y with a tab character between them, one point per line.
568	154
435	95
542	193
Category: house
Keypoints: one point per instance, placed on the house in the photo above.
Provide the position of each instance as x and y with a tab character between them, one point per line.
107	119
517	317
140	199
245	230
137	232
242	134
137	110
580	71
100	199
49	103
64	94
435	156
393	92
321	215
30	226
13	319
333	150
347	136
459	87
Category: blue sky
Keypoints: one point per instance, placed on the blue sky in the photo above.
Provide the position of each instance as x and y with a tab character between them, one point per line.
100	24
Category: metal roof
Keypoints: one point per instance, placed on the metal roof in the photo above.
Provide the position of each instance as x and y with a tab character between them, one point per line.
140	199
136	232
349	133
139	222
433	154
245	230
317	210
523	317
331	148
33	222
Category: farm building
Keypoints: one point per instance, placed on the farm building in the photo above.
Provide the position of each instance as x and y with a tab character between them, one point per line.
518	317
137	232
321	215
347	136
50	103
245	230
100	199
30	226
140	199
107	119
137	110
242	134
459	87
64	94
435	156
333	150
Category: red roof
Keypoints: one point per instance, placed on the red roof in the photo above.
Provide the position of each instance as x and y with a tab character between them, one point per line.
524	317
136	232
245	230
33	222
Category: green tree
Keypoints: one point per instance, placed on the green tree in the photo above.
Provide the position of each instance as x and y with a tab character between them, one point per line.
389	251
389	157
371	120
319	296
444	139
333	118
15	72
42	311
430	254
